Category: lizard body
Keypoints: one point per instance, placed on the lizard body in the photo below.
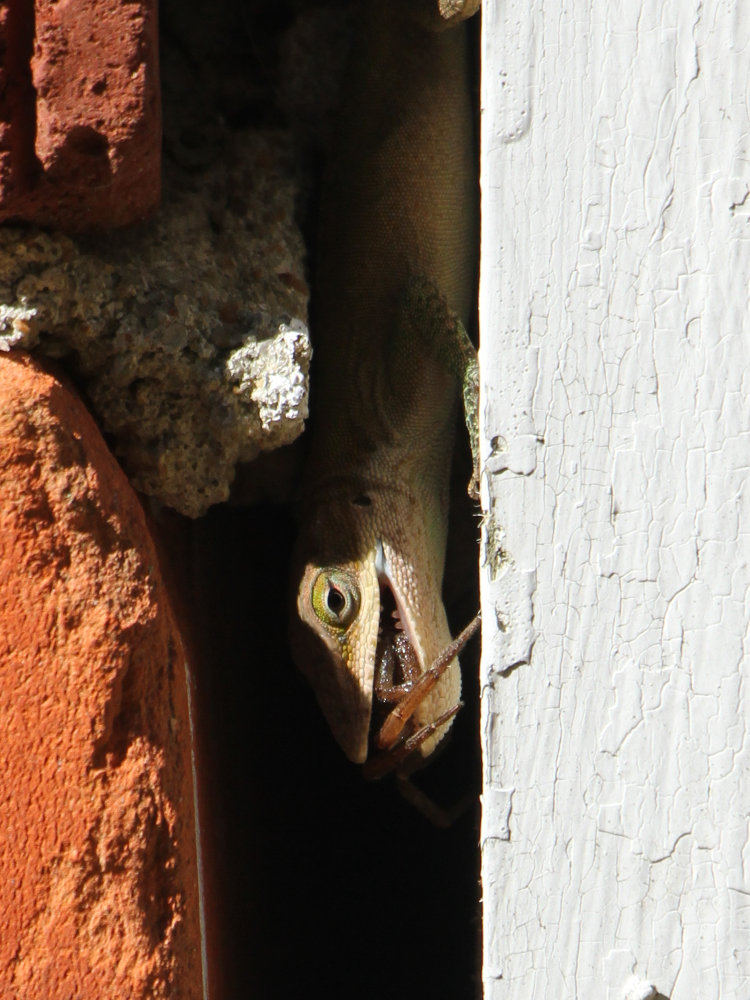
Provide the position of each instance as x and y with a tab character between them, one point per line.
396	257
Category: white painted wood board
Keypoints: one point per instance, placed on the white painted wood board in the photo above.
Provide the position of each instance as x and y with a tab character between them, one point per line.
616	429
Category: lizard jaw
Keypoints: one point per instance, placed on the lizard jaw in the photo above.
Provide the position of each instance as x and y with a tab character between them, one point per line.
397	657
401	660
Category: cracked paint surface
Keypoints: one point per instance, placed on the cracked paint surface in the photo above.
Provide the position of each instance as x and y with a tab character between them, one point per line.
616	361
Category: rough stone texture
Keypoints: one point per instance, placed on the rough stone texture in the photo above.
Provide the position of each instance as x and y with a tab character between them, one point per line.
189	334
80	119
98	893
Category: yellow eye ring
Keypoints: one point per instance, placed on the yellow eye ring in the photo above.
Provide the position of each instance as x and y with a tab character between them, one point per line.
335	598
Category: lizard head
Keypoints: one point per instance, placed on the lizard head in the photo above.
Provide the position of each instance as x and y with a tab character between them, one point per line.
367	621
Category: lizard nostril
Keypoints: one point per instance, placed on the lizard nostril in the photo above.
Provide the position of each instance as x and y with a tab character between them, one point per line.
362	500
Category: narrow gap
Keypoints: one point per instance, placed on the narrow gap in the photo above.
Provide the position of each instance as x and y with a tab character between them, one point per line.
17	96
317	875
321	876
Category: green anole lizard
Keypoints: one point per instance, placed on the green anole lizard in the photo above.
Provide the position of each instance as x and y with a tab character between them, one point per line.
395	280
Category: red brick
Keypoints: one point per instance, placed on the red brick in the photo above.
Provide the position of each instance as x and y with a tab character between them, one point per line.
80	119
98	884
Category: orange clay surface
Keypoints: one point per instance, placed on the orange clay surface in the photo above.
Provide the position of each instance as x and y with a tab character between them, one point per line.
98	888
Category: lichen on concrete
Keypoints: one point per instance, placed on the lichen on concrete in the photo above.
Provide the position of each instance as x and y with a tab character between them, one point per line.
188	334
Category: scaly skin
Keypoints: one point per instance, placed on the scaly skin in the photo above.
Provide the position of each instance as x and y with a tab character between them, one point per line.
396	255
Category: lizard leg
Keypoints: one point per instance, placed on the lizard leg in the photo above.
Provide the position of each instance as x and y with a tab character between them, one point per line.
455	10
443	13
471	415
426	316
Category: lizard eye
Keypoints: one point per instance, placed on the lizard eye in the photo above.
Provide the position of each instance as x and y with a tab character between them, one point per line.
335	598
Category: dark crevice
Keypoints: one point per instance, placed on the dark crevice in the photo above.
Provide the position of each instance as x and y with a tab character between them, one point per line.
18	163
305	858
310	859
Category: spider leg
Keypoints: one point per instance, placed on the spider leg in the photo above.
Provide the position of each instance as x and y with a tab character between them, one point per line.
403	711
383	763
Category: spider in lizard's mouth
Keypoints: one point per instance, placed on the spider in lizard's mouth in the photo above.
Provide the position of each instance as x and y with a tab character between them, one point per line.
396	661
400	687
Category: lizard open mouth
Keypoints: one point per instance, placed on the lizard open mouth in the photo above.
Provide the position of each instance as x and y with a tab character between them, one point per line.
396	661
400	687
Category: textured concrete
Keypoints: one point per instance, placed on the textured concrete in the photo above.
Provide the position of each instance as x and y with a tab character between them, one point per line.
98	885
189	334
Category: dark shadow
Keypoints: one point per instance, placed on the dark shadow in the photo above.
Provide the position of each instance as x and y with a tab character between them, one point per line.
323	878
322	881
18	97
82	158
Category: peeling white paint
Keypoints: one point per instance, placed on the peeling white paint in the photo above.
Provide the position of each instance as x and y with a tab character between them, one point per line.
616	426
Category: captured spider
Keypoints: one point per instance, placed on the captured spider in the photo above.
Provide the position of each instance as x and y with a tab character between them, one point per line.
399	690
